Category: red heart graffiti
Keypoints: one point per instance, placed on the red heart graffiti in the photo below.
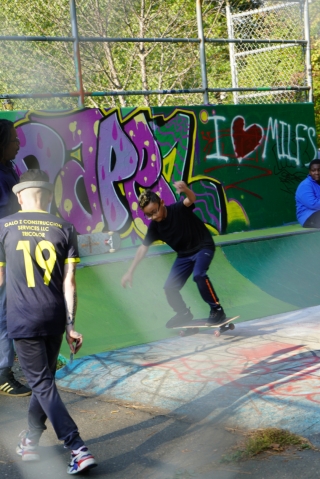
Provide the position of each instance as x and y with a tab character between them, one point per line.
245	140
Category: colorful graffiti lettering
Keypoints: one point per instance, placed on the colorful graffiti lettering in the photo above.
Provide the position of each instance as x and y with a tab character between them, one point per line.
233	157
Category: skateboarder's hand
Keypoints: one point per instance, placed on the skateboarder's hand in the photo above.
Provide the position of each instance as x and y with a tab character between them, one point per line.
74	340
180	186
126	279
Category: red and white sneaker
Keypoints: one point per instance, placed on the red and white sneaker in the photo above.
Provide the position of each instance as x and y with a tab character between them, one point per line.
80	460
26	449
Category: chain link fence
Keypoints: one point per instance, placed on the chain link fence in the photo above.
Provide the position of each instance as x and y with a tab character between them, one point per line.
267	64
116	56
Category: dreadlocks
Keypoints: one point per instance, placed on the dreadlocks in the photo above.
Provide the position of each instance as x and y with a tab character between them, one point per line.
147	197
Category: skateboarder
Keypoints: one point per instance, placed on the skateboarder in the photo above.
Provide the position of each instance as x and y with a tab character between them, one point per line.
186	234
40	253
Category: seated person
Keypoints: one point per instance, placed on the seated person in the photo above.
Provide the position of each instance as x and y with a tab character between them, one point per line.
308	197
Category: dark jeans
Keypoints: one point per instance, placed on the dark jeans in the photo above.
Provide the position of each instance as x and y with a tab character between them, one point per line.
313	221
182	268
38	360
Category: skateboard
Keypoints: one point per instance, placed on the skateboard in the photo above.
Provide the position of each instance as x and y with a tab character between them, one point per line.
98	243
194	326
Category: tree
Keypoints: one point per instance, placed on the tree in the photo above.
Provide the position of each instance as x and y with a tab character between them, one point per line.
110	66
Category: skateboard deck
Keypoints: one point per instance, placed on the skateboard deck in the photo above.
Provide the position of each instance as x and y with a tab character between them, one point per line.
98	243
193	326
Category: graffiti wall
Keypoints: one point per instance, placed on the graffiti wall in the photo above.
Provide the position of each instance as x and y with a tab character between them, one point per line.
244	162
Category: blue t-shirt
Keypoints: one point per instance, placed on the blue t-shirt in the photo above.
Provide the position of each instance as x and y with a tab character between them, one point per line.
35	246
307	199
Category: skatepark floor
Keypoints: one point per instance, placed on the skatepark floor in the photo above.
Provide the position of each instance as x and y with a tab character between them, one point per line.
150	404
131	443
173	408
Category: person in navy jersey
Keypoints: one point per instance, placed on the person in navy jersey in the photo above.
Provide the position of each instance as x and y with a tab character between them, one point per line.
38	258
308	197
186	234
9	147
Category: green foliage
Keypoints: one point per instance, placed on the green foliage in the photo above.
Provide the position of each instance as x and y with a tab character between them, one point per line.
40	66
269	439
314	9
315	56
27	67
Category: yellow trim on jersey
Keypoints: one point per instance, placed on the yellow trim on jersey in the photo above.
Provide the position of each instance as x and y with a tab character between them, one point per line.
33	211
72	260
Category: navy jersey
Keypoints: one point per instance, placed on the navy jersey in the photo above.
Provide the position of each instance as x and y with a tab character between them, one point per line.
182	230
35	246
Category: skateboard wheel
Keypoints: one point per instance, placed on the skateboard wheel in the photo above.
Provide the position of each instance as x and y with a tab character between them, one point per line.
111	250
188	332
217	334
231	326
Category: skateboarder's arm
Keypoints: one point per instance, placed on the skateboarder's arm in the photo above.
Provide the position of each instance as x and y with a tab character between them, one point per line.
181	187
73	338
140	254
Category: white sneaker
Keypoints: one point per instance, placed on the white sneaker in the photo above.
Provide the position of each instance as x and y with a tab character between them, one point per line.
26	449
81	461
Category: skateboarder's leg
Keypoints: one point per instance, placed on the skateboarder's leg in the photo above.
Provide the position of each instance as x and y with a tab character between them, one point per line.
180	272
206	289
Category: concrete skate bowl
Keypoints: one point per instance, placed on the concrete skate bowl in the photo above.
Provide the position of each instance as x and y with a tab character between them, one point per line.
253	278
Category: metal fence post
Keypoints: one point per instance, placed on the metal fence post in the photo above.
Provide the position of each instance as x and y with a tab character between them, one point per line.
76	52
231	53
308	49
202	53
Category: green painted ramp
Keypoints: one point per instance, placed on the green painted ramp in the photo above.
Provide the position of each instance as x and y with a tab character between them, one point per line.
110	317
286	268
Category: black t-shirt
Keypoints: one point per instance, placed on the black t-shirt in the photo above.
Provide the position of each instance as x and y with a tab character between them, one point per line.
182	230
35	246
